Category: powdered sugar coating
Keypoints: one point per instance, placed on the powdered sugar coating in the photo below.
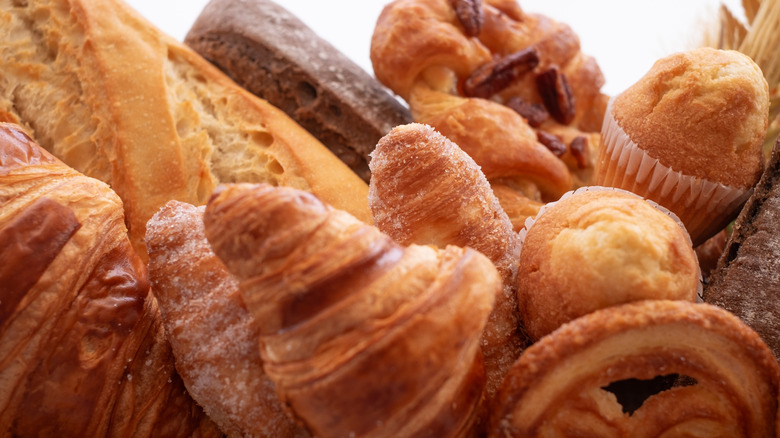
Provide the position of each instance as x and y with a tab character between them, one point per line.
213	337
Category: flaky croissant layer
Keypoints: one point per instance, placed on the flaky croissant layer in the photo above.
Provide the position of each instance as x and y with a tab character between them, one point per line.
362	336
82	350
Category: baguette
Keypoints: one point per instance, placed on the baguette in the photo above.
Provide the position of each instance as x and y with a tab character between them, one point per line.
118	100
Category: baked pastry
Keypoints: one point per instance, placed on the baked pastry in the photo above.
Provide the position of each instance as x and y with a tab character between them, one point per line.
564	385
361	336
105	91
498	139
745	281
271	53
689	136
212	335
501	90
415	40
82	348
424	190
597	248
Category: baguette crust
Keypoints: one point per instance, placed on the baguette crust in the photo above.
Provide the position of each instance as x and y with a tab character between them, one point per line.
115	98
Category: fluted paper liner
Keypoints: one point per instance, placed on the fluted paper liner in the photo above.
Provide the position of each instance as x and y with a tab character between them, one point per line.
530	221
704	206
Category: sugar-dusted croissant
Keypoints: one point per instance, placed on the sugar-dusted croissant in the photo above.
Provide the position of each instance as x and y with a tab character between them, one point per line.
705	372
213	336
82	348
362	336
425	190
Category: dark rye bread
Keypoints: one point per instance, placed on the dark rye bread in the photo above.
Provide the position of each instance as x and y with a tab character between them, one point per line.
747	279
274	55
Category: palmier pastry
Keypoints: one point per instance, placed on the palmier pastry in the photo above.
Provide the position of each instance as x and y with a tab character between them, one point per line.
724	378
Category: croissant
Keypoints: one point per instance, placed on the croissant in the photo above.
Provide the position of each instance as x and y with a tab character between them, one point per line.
705	374
213	336
362	336
425	190
82	349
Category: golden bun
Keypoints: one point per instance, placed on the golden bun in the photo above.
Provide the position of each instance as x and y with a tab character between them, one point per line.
597	248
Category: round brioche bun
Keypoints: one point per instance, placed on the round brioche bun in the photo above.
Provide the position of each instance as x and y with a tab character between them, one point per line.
600	247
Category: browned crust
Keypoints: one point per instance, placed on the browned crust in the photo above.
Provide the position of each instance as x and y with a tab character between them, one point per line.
686	325
151	117
274	55
746	280
702	112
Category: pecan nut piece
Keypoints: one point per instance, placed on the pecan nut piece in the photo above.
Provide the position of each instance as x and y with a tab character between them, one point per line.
470	15
557	147
556	94
498	74
534	113
579	150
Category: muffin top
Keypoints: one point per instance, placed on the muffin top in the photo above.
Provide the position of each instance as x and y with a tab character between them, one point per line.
702	112
598	248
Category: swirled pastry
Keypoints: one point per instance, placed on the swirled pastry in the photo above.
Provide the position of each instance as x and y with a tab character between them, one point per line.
564	384
499	82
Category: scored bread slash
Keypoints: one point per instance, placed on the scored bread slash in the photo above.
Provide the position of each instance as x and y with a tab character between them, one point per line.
274	55
118	100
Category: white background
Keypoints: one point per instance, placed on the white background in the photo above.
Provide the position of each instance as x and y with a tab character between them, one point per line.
625	36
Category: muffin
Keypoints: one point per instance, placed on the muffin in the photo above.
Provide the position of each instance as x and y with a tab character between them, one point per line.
688	135
599	247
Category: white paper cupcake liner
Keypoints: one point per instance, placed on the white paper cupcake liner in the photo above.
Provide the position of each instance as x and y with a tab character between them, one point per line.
704	206
530	221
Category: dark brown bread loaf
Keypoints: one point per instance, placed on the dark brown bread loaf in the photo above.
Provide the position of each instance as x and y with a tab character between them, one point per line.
747	279
274	55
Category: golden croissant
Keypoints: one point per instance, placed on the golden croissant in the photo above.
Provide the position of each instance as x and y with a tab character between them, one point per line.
425	190
213	337
362	336
702	373
82	349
